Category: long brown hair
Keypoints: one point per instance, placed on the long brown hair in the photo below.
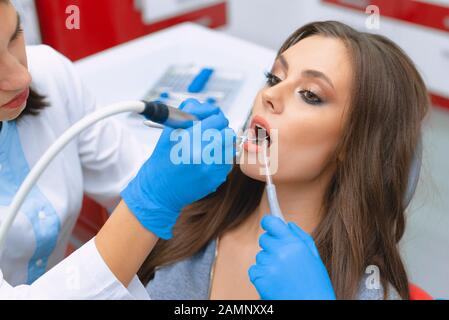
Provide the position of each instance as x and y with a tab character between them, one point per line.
363	204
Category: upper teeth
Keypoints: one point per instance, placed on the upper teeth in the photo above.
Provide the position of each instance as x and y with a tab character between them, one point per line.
265	135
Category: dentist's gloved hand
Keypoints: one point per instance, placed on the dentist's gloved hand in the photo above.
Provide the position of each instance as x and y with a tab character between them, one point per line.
162	188
289	266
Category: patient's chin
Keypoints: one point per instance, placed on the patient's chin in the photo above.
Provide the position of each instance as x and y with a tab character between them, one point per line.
253	171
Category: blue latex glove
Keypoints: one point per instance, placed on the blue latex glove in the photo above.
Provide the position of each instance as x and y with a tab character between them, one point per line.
162	188
289	266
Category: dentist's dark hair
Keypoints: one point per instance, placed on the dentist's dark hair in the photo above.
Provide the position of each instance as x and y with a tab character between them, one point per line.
35	104
364	203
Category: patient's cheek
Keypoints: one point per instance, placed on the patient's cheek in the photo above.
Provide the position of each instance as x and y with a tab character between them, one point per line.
307	152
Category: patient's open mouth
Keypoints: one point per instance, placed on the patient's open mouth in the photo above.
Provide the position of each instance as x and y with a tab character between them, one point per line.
262	135
261	129
259	132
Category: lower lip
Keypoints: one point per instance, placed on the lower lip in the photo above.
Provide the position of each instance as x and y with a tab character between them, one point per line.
251	147
18	101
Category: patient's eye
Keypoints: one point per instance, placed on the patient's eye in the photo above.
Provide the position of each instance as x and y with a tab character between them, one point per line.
311	98
17	34
272	80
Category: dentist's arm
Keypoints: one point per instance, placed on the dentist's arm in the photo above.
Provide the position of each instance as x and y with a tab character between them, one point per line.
124	243
153	201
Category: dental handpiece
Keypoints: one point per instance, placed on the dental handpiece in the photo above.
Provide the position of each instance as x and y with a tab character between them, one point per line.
164	115
270	188
160	115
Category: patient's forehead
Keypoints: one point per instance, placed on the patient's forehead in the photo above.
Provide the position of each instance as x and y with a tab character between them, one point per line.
325	54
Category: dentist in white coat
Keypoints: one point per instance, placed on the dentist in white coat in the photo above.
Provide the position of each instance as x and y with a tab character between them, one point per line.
40	97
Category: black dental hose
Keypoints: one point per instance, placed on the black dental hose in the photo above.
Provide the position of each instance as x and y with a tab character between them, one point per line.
165	115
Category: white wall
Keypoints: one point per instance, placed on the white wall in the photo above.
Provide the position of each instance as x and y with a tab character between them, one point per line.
27	12
425	246
265	22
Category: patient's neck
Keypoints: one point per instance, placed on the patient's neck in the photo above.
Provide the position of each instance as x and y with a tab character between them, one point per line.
300	203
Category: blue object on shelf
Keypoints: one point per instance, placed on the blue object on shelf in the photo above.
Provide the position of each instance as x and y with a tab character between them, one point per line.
199	83
165	95
213	85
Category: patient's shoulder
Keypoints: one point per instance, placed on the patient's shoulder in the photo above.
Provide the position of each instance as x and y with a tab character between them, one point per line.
375	291
188	279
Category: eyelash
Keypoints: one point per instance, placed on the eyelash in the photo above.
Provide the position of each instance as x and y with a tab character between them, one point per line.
17	35
307	95
272	80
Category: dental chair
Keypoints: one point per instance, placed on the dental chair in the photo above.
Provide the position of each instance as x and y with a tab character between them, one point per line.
416	293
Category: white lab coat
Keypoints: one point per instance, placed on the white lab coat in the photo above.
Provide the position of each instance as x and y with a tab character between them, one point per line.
82	276
99	163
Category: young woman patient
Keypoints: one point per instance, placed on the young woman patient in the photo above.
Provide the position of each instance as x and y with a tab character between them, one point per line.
348	108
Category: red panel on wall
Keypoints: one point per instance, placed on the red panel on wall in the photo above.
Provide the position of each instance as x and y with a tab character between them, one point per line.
425	14
107	23
440	101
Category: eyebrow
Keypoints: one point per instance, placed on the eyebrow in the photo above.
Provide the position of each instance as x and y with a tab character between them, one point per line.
283	62
16	32
308	73
317	74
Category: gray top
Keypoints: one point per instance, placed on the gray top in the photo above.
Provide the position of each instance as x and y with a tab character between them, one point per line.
189	279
